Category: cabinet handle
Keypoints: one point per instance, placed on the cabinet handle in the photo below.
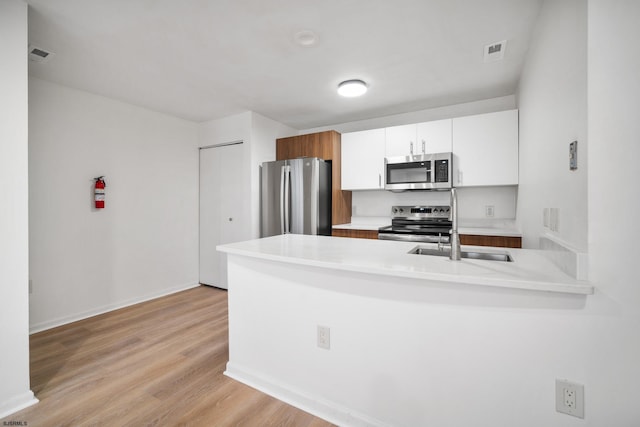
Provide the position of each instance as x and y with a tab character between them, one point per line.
379	180
411	147
423	144
459	177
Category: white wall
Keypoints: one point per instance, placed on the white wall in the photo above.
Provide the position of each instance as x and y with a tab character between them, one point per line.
552	100
471	201
145	242
259	135
14	210
612	358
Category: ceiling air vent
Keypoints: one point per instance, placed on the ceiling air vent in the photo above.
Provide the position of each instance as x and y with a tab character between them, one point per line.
39	54
494	51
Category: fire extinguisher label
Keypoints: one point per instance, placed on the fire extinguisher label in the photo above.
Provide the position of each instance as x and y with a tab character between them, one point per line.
99	196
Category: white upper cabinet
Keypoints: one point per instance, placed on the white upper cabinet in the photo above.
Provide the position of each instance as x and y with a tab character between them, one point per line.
421	138
401	141
363	160
485	149
434	137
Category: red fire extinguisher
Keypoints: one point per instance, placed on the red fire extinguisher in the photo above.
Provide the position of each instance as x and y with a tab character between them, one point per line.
99	192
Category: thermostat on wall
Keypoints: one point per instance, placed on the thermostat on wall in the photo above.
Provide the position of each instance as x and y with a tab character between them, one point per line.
573	155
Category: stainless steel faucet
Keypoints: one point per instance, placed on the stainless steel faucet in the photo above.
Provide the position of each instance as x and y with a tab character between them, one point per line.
454	255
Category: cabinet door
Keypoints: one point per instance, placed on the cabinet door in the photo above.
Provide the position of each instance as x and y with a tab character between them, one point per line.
363	160
221	201
485	149
434	137
400	140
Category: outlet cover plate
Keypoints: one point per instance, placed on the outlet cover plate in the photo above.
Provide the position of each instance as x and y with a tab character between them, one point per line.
324	337
570	398
489	211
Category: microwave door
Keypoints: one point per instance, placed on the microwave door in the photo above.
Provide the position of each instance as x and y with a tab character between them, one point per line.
409	175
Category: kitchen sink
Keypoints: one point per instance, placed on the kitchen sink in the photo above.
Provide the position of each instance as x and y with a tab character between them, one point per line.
488	256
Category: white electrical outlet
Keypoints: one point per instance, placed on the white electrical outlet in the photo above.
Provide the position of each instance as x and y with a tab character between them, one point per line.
570	398
324	337
489	211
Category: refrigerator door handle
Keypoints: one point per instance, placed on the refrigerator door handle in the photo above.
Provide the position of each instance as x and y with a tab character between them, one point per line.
282	202
315	190
286	198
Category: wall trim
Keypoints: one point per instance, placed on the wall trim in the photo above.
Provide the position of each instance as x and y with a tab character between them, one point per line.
49	324
315	405
17	403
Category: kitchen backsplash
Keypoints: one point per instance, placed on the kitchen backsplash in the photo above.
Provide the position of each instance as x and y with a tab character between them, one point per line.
472	202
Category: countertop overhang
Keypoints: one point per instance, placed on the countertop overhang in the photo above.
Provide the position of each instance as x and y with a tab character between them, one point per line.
530	270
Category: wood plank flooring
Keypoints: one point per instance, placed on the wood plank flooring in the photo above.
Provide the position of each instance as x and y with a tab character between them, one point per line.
158	363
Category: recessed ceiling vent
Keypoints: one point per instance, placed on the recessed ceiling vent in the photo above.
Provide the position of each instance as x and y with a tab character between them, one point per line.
494	51
39	54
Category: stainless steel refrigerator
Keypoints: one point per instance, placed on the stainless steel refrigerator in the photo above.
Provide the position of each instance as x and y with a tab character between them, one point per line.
295	197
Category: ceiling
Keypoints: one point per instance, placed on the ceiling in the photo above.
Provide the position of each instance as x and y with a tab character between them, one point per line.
207	59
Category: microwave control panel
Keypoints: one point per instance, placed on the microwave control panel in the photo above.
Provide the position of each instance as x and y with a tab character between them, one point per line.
442	170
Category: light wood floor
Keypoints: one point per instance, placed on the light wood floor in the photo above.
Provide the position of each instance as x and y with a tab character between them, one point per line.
158	363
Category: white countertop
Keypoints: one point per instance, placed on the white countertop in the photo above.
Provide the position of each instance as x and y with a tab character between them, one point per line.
365	223
530	269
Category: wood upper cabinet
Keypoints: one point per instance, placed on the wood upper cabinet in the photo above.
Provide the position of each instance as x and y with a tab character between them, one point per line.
327	146
485	149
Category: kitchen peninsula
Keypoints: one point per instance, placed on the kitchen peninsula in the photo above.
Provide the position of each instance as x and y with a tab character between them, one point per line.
391	319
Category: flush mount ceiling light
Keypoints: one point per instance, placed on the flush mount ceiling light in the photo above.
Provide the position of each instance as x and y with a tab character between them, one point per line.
352	88
305	38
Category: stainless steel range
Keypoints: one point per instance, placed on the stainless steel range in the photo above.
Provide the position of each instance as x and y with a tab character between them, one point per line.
431	224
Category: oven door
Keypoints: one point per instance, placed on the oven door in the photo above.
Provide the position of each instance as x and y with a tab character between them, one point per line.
405	234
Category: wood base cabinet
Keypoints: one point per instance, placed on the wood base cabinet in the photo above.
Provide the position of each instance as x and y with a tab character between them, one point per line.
360	234
324	145
498	241
465	239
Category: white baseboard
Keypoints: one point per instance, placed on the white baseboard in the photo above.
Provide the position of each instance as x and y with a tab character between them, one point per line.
315	405
17	403
43	326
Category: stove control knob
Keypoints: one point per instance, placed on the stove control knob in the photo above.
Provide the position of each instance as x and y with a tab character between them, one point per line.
395	210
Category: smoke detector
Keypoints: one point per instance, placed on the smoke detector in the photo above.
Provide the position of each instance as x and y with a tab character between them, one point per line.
39	54
495	51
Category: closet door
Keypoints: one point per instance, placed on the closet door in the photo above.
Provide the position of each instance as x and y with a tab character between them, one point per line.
222	192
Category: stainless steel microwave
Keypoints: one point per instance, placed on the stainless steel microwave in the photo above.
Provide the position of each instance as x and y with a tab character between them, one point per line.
419	172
